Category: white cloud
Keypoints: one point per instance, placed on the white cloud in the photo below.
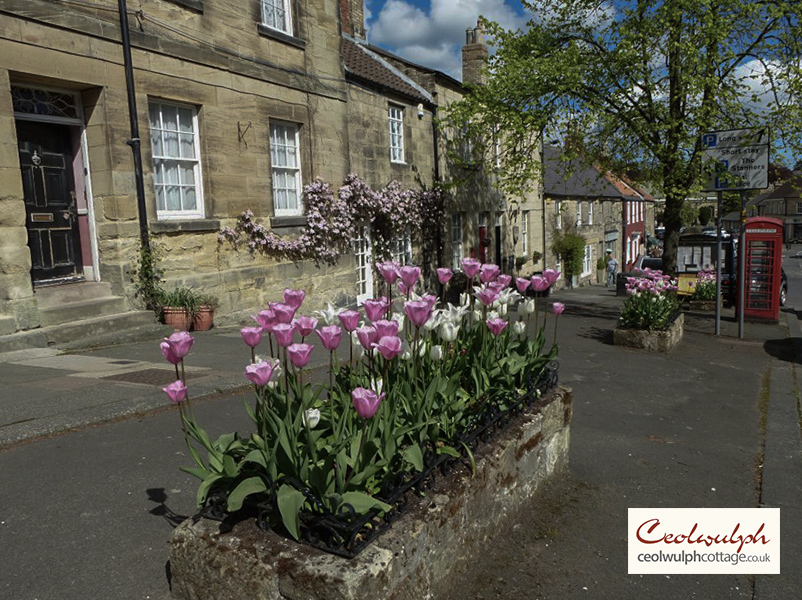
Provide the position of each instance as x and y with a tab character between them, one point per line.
435	39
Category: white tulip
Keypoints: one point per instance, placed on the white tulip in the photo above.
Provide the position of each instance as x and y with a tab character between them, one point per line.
328	316
436	353
448	331
527	307
311	418
519	327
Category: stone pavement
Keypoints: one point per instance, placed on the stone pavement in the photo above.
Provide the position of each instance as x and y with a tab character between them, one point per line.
680	429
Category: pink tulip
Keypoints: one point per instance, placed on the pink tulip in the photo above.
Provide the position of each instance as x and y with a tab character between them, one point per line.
389	346
177	391
294	298
409	275
495	286
487	296
522	284
388	270
488	272
430	299
251	335
349	319
504	280
375	308
300	354
260	373
305	325
168	353
403	288
367	336
558	307
330	336
470	267
551	276
366	402
283	333
385	328
284	312
540	284
266	319
418	312
177	346
496	326
444	275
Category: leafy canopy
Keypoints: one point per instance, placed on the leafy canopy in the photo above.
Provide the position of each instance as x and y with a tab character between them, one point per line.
633	84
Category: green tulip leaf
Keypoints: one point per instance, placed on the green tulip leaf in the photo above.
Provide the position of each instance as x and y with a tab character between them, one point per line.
414	456
290	502
362	502
252	485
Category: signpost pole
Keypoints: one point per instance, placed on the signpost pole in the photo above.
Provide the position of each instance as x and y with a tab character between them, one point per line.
718	264
742	269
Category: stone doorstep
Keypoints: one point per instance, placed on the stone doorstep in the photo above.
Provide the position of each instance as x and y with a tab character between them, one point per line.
654	341
413	559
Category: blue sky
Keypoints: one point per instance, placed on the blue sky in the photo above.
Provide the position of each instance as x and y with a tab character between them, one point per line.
432	32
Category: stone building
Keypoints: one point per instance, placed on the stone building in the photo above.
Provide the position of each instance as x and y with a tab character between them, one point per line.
239	106
607	212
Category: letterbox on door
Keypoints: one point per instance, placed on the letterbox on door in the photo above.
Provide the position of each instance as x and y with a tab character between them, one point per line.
764	238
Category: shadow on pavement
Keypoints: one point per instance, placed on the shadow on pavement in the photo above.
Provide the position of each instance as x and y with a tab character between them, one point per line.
782	349
159	496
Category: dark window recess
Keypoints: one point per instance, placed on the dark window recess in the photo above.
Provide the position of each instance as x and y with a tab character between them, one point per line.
195	5
280	36
189	225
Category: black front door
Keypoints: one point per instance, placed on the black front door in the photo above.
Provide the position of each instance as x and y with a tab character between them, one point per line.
45	152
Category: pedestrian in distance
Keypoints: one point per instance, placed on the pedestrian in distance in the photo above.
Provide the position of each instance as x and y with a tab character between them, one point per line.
612	269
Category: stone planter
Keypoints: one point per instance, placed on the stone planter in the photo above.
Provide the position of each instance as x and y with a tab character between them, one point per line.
413	559
654	341
703	305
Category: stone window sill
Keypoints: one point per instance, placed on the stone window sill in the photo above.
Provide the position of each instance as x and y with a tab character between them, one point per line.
194	225
280	36
196	5
286	225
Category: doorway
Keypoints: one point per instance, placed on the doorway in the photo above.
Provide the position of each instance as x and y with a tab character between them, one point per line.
51	211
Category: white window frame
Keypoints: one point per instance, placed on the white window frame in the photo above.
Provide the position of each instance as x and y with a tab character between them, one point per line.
525	233
160	160
587	260
402	249
590	212
456	241
288	132
277	14
363	256
558	214
799	208
395	117
578	214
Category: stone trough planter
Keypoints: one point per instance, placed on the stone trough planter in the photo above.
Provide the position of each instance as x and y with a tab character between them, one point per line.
413	559
653	341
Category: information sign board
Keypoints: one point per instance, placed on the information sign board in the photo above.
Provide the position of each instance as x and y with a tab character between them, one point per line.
736	159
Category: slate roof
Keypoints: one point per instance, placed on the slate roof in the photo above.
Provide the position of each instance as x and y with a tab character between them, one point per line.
574	179
367	66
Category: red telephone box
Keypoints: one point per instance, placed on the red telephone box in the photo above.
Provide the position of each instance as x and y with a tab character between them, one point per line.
764	239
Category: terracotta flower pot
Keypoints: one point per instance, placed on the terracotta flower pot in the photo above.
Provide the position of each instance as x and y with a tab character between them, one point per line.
177	318
203	319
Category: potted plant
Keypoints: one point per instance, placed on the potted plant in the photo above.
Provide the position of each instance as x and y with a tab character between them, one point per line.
536	256
601	267
203	319
178	307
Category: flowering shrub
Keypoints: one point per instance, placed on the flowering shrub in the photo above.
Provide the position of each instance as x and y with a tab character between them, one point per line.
333	220
417	378
704	288
651	303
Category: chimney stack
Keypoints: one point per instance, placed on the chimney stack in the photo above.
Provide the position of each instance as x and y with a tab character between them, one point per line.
352	18
474	56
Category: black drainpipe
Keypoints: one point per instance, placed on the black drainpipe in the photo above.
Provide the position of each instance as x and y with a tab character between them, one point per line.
134	142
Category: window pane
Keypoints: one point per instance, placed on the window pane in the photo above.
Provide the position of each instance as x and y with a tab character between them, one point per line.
171	144
184	120
187	172
187	146
173	197
190	201
170	117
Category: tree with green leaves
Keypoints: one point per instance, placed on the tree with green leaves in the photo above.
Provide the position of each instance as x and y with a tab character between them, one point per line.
631	85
